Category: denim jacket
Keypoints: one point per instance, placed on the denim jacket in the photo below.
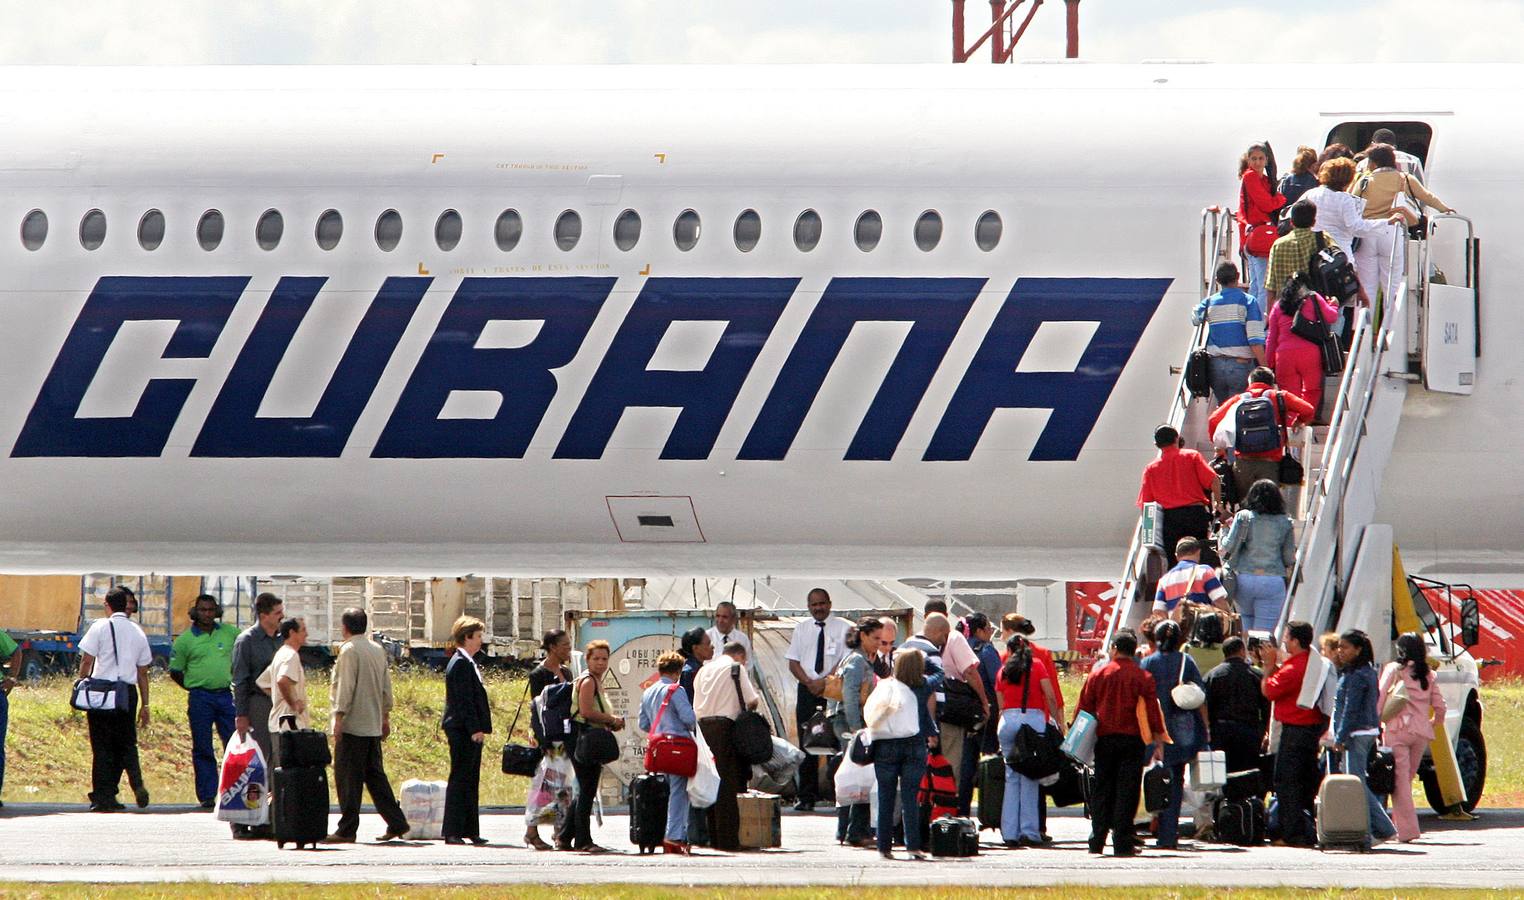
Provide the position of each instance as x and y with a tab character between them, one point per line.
1259	544
1355	704
847	713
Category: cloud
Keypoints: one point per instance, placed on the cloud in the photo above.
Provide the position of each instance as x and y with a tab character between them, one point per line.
379	32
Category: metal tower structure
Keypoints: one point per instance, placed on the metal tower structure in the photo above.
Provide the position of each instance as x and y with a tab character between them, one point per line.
1004	31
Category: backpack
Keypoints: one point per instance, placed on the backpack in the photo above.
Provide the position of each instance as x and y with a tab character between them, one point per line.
1258	431
553	712
1329	271
938	788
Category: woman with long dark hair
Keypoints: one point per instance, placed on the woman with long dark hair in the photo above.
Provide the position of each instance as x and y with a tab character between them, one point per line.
1298	362
857	681
1409	732
1258	204
1025	687
1188	728
1357	722
1260	549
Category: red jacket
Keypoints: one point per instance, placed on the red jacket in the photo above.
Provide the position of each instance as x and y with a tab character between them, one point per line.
1259	204
1282	687
1298	412
1112	695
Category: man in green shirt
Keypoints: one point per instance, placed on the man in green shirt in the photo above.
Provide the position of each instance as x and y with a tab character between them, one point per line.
11	654
202	663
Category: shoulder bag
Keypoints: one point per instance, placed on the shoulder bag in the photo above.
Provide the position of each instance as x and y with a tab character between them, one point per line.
103	694
596	745
1033	754
960	707
1258	239
1396	698
1290	471
520	759
1187	695
670	754
751	735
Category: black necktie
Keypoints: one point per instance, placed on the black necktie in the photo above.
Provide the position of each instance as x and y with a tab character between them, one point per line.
725	641
820	650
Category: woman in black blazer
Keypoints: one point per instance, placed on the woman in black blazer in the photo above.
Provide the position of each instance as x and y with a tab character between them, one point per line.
467	721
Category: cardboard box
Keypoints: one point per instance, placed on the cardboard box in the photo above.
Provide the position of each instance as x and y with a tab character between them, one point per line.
761	820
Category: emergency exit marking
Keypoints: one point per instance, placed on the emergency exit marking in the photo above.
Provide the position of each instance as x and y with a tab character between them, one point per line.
437	158
645	271
422	270
661	158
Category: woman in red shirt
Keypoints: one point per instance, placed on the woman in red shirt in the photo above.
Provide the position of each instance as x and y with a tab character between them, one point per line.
1025	686
1258	204
1298	362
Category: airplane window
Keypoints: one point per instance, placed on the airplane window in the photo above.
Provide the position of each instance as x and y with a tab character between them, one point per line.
748	230
388	230
568	229
268	229
92	230
34	229
151	230
627	230
509	228
987	230
685	231
807	230
447	230
330	227
209	230
928	230
868	230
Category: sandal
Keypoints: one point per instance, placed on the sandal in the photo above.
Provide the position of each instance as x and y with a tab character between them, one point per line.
535	841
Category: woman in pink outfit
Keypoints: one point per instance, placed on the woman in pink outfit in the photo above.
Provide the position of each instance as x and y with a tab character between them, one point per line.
1298	362
1410	731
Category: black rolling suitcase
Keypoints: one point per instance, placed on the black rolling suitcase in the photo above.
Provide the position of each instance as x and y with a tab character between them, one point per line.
300	749
648	811
299	812
1240	821
991	791
952	836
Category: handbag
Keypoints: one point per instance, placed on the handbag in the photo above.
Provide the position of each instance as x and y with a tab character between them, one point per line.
1186	695
1290	470
520	759
595	746
751	736
1156	785
836	681
817	737
671	754
860	749
1314	329
103	694
1198	379
1381	772
960	706
1033	754
1396	699
1258	239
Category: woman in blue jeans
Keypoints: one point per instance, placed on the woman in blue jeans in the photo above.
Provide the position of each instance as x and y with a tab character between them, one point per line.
857	681
1025	687
1259	549
902	720
1188	729
1357	722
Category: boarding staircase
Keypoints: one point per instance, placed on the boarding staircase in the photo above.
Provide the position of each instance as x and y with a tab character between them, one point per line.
1423	336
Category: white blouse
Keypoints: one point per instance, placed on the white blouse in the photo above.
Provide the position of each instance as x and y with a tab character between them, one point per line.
1342	217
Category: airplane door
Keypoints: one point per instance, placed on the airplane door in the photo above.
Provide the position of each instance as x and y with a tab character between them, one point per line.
1451	335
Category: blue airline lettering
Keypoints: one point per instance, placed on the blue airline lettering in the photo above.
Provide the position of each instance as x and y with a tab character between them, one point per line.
200	306
1121	308
566	307
935	306
750	307
233	428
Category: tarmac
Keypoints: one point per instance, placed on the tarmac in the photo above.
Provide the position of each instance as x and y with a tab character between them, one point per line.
53	843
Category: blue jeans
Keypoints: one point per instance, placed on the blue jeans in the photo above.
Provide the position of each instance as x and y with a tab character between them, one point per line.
1018	809
1229	376
205	709
1258	268
898	765
5	722
677	809
1259	599
1360	748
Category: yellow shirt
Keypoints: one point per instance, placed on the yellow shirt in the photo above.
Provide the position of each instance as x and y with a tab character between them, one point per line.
1378	188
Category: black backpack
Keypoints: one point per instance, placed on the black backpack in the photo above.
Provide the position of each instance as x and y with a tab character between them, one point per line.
1329	271
1258	431
553	712
1198	379
751	736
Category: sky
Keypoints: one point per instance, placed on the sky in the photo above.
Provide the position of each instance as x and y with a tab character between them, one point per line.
144	32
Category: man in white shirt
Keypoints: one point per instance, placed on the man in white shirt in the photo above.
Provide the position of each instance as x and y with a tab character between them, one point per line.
286	680
716	704
727	629
819	644
115	649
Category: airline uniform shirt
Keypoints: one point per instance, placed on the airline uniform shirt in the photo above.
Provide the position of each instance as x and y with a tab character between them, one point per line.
806	635
122	662
736	636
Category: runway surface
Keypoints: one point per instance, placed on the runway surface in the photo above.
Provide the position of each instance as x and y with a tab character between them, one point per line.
40	843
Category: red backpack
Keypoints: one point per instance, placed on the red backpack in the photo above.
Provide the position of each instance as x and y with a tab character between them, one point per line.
938	791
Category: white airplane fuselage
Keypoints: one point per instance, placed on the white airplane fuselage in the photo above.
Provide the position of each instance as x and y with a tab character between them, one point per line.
957	411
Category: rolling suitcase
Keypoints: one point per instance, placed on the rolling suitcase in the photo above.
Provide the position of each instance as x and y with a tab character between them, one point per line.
299	813
991	791
953	836
648	811
301	749
1343	816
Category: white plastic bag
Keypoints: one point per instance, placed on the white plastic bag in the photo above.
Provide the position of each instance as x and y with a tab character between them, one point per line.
771	777
243	793
552	790
423	804
882	703
704	786
854	783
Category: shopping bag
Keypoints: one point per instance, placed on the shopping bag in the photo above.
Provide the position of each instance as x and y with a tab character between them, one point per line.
243	792
854	783
552	790
704	786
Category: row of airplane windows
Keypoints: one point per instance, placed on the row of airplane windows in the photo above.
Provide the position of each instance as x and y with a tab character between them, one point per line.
867	232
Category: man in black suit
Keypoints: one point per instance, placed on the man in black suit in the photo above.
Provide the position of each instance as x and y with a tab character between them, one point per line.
466	723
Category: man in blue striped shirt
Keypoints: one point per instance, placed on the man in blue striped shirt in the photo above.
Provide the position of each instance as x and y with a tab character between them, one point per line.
1235	334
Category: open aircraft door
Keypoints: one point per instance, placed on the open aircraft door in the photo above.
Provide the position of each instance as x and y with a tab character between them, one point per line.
1452	305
